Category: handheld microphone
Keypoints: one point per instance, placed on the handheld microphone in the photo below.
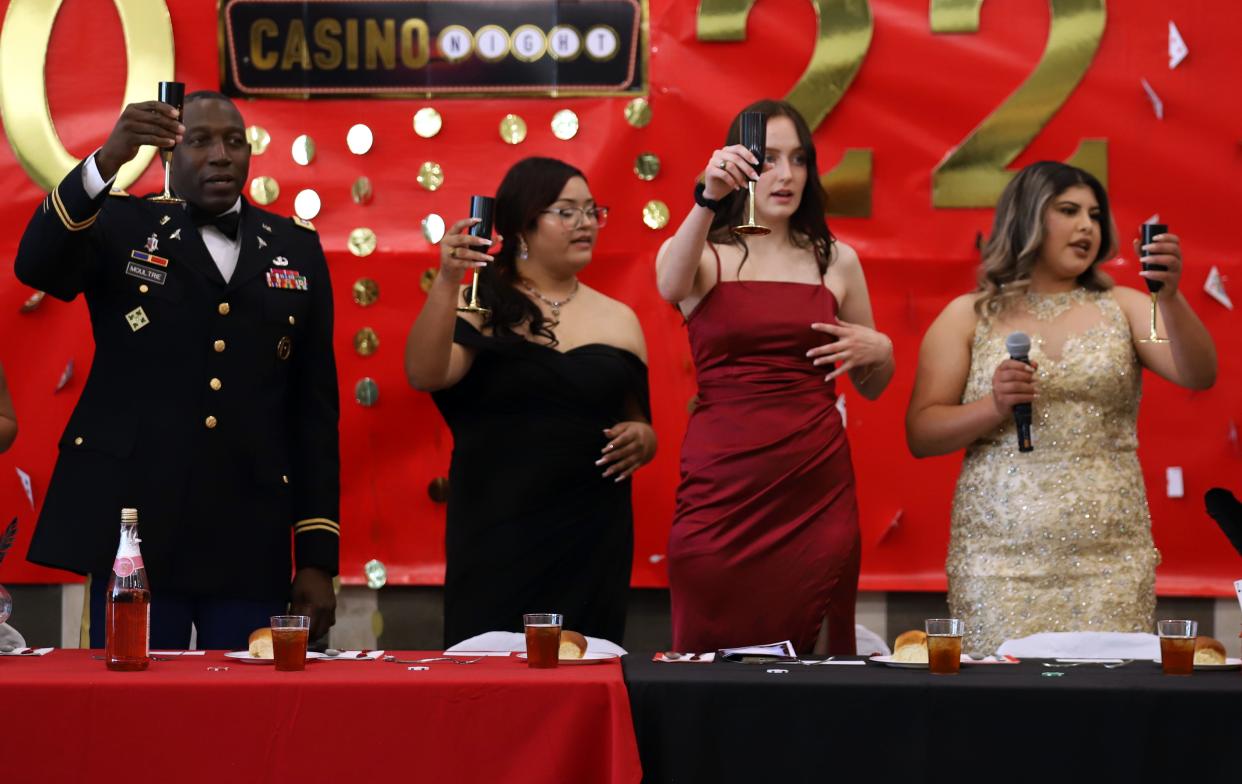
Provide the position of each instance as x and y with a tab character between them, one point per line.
1018	344
1227	512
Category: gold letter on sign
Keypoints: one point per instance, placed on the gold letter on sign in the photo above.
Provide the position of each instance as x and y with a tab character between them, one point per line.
974	173
24	41
842	42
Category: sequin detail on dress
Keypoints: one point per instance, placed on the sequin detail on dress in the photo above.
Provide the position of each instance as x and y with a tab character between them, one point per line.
1058	539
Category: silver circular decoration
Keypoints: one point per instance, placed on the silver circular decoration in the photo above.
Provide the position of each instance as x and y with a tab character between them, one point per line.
307	204
359	139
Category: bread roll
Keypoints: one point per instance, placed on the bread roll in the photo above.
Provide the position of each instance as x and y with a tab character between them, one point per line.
911	647
573	645
261	644
1209	651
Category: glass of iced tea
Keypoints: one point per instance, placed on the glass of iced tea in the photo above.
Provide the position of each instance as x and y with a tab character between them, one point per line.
543	639
1177	646
944	645
289	637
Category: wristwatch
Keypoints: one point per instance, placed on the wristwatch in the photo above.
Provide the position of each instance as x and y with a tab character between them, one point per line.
712	204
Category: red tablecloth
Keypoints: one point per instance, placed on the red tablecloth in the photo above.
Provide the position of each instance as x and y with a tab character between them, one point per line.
64	717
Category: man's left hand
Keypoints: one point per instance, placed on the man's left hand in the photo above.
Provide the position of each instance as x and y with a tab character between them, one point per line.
313	596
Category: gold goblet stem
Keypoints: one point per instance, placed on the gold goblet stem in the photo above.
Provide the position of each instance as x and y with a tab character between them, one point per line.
1152	337
474	306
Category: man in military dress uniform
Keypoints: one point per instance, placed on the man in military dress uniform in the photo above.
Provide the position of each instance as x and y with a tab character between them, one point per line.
212	403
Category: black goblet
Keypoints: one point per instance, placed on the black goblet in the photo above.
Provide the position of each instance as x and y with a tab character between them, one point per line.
173	94
481	207
753	130
1148	233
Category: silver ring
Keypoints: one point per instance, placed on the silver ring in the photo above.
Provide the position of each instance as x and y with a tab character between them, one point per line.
723	164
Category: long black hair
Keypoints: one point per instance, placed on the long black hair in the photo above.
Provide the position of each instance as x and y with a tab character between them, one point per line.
808	227
528	188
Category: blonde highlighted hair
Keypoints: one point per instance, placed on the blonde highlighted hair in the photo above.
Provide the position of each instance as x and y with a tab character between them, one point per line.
1018	234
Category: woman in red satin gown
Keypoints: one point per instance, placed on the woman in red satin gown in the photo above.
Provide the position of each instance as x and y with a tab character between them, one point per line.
764	545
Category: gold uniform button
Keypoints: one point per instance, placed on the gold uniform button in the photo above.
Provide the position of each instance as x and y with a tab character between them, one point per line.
292	320
78	441
219	346
284	478
143	289
215	384
210	422
223	308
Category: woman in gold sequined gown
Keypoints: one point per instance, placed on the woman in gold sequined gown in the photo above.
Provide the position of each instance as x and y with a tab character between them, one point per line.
1057	539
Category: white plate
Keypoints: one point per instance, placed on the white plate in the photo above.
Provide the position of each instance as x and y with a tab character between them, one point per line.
590	657
244	656
889	661
1230	664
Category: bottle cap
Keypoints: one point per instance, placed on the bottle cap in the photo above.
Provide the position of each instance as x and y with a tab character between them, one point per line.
129	515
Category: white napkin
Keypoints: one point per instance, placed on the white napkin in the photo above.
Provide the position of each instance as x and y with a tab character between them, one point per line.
354	656
27	652
1095	645
509	642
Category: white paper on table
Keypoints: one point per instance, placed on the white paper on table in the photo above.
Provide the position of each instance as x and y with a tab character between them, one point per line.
27	652
504	643
1084	645
1177	46
26	485
1157	105
1215	288
783	648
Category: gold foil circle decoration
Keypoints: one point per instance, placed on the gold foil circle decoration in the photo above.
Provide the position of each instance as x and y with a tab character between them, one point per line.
428	278
433	228
359	139
258	138
646	166
264	190
361	191
655	214
361	241
638	112
376	573
306	204
366	392
427	122
303	150
512	129
366	292
565	124
430	175
366	342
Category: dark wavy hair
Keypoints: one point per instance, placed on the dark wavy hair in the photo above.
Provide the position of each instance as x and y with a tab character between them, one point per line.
1018	232
808	227
528	188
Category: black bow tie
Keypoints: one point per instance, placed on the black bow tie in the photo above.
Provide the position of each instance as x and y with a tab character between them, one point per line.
227	223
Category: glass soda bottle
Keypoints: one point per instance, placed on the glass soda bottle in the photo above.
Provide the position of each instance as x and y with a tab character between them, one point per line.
128	617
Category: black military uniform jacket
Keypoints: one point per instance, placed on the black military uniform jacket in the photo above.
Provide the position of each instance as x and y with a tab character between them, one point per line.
211	407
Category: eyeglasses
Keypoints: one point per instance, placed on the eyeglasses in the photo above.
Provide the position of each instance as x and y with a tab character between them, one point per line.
573	217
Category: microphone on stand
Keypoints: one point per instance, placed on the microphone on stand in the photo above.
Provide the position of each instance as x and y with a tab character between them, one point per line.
1018	344
1227	512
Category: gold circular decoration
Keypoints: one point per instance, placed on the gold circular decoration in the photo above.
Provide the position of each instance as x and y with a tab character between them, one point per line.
638	113
655	214
427	122
366	392
430	175
264	190
433	228
647	166
366	292
359	139
513	129
428	277
303	150
438	490
361	241
306	204
455	43
258	138
529	43
492	44
376	572
361	191
366	342
284	347
565	124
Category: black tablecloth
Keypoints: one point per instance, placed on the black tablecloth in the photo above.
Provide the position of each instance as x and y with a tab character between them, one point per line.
996	723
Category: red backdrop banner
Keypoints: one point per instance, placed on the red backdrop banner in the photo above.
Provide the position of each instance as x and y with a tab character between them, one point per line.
916	97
